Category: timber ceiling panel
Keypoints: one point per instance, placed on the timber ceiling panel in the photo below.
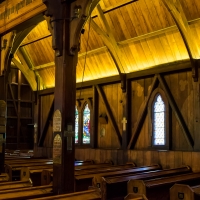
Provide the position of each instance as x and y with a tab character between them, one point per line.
144	31
41	52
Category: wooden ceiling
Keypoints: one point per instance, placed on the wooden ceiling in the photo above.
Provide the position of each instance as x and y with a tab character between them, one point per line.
129	37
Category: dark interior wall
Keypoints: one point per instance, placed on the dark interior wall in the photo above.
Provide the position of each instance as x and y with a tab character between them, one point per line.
185	93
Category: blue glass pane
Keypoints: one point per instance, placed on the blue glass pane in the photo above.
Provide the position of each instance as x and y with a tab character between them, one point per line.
159	121
86	125
76	125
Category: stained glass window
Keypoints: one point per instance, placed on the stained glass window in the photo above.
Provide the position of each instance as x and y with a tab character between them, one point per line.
86	125
159	121
76	125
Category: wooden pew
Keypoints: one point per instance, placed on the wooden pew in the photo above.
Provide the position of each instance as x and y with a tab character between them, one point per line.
14	170
47	174
156	189
15	184
97	178
26	193
82	182
93	194
186	192
132	196
116	186
35	172
4	177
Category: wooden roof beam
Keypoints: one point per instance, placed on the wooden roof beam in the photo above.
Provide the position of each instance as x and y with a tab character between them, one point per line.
28	73
180	19
27	64
106	10
109	40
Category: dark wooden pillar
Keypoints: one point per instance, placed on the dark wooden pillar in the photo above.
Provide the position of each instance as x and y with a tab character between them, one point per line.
2	134
67	18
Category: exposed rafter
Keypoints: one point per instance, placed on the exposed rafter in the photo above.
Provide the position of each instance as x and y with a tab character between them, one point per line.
25	60
28	73
180	19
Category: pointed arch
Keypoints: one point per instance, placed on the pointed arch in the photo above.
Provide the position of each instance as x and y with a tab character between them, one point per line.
158	111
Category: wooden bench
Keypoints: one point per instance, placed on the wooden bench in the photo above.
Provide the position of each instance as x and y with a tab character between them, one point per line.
93	194
82	182
15	184
185	192
26	193
4	177
35	172
14	170
116	186
132	196
47	174
156	189
97	178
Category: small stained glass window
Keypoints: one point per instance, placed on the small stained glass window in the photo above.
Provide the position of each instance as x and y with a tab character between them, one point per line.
159	121
86	125
76	125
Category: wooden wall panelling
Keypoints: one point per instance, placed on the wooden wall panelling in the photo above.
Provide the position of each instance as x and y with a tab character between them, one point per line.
177	112
195	161
148	157
196	113
186	158
178	158
170	159
111	118
121	157
97	155
140	114
140	158
47	123
155	157
95	115
182	88
102	127
114	156
162	156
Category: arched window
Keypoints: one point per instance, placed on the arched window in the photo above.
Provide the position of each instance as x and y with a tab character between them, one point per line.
76	125
86	125
159	121
159	125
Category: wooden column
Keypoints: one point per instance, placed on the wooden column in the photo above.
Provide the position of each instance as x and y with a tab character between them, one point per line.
2	134
66	21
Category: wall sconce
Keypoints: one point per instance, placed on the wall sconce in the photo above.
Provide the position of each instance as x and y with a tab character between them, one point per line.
103	119
4	44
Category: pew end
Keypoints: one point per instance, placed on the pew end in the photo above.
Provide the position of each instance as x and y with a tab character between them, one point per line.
136	187
182	191
4	177
25	174
132	196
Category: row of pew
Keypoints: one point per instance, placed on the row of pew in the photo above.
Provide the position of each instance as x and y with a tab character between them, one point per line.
31	178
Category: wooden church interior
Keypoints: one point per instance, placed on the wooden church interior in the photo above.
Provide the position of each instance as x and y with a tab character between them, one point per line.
100	99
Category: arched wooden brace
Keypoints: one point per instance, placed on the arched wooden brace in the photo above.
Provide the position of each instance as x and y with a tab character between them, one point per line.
109	40
176	11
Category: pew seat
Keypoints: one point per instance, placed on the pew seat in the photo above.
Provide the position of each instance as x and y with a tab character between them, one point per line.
15	184
26	193
4	177
132	196
93	194
116	186
157	189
